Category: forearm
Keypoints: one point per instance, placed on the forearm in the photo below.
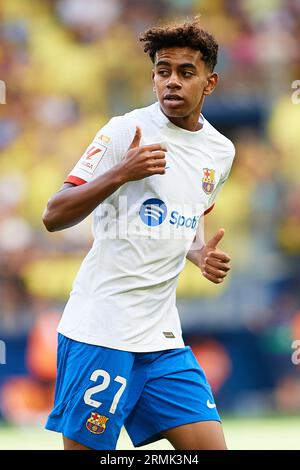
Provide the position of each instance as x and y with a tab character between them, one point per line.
71	205
195	257
196	250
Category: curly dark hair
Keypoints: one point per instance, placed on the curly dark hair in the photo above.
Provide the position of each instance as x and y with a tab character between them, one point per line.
188	34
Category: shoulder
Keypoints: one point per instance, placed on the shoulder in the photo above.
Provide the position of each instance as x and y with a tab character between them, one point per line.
122	128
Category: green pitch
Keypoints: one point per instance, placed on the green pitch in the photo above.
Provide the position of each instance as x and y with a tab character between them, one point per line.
258	433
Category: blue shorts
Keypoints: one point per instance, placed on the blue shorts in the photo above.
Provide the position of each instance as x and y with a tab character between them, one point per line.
98	390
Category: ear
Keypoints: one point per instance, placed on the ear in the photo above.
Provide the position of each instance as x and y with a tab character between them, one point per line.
211	83
152	78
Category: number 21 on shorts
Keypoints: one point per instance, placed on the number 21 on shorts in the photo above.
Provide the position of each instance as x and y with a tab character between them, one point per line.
103	386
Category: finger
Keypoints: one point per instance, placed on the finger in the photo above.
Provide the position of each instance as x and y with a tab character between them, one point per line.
213	262
220	255
212	243
153	147
212	278
215	272
136	139
157	171
159	163
156	154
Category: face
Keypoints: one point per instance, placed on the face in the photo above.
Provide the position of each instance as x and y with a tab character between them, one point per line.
181	80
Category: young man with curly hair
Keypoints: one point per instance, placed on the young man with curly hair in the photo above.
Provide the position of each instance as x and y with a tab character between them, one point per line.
152	173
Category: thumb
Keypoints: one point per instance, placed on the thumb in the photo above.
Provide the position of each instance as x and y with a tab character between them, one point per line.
212	243
137	138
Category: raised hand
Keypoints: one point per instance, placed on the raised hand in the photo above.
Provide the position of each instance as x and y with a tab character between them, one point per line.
214	262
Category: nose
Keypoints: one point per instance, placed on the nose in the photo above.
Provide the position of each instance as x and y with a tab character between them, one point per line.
173	82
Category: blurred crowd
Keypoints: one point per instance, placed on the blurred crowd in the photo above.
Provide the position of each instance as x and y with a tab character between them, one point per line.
68	66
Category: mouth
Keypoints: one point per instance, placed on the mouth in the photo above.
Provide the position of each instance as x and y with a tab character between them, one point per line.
174	99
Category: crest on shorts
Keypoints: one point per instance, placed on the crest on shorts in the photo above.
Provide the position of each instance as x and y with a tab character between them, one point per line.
96	423
208	180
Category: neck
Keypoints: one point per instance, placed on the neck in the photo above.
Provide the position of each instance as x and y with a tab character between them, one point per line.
191	122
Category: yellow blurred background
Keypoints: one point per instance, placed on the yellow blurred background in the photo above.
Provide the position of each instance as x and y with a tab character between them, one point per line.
68	66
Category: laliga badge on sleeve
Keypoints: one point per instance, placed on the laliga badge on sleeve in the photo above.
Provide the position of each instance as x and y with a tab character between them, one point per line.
91	158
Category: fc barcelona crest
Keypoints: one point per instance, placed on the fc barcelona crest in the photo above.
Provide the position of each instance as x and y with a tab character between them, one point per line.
208	180
96	423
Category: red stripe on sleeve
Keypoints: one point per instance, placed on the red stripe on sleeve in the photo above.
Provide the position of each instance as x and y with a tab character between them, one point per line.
209	209
75	180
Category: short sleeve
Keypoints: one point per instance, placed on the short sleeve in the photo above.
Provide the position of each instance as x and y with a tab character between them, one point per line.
223	179
107	149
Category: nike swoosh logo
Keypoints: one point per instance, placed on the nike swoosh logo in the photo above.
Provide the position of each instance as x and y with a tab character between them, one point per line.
210	405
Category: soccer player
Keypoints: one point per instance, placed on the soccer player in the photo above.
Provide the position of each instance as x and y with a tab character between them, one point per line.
148	177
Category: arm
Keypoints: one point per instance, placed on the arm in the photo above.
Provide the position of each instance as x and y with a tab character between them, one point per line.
72	204
213	262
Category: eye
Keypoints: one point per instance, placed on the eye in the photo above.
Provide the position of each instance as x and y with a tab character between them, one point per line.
187	74
163	73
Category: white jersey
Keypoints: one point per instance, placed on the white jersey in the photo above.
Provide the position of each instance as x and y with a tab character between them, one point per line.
124	295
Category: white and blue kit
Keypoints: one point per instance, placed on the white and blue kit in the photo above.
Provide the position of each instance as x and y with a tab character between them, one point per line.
121	356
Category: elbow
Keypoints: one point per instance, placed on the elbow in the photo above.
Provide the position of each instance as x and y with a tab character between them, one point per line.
48	220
